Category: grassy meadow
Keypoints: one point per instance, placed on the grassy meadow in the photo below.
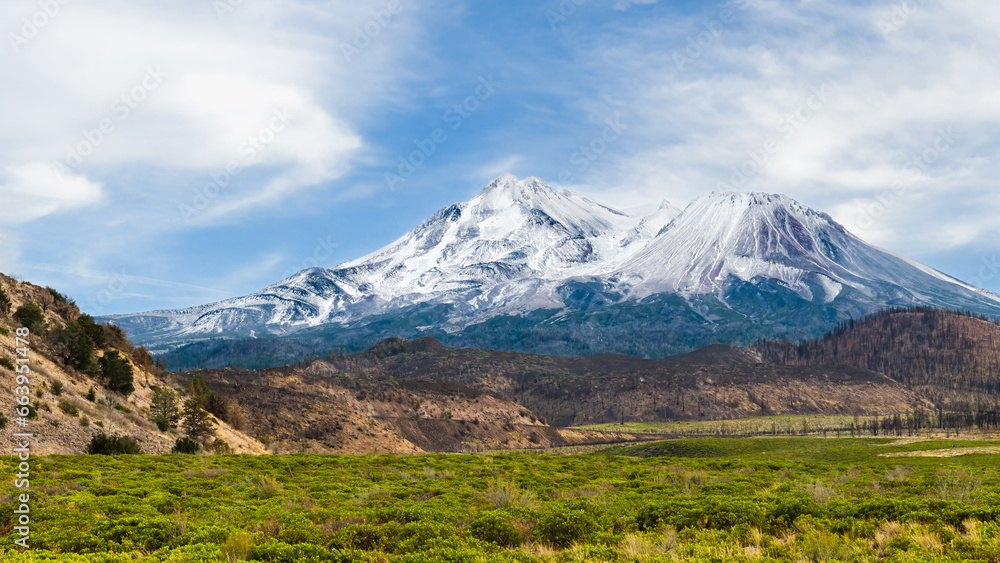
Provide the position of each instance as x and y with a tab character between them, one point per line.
711	499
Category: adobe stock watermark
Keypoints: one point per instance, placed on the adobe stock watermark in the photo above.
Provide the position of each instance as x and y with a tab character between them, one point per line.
786	128
249	149
714	30
225	7
898	17
322	254
121	109
917	165
563	12
454	117
366	33
99	302
989	271
21	521
589	152
32	25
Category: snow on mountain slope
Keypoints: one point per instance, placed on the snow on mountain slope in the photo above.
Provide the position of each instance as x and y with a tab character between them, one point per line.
747	236
520	245
507	248
512	229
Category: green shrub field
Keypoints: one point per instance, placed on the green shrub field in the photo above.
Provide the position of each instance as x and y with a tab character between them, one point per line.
762	499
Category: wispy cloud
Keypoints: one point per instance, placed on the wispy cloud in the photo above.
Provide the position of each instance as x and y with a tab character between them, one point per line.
216	85
757	64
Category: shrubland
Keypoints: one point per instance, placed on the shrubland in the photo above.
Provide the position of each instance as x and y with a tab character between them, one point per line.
769	499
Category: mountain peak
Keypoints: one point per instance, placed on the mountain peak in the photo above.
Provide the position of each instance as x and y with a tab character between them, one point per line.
747	199
509	187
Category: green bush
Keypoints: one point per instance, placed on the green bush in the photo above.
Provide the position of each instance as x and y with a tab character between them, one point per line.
148	533
56	388
789	507
117	373
186	445
59	297
103	444
69	408
563	524
365	537
279	552
31	316
495	526
5	362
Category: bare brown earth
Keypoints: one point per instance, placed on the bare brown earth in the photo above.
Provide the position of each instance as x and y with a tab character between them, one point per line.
307	410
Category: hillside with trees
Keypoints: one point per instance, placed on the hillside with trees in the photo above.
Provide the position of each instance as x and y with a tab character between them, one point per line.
90	389
951	358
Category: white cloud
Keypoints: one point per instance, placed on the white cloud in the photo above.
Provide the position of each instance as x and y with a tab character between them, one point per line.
216	83
694	122
34	189
498	167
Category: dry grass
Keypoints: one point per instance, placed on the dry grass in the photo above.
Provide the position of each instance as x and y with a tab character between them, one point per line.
237	547
956	485
973	530
924	537
643	546
897	474
819	491
507	494
267	487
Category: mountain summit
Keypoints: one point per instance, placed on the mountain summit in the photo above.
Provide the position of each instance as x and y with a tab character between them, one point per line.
727	238
524	266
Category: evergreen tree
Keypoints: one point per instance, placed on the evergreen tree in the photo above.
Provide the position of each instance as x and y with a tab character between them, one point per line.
93	330
216	405
164	409
31	316
81	351
196	421
117	373
4	303
199	388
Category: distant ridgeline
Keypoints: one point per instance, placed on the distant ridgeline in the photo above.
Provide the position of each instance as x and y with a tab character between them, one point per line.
888	341
949	356
896	361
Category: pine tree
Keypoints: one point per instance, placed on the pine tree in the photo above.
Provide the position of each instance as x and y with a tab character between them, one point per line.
164	409
117	372
196	421
199	388
4	303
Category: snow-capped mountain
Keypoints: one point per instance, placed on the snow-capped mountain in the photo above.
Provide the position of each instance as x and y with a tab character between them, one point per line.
746	236
728	262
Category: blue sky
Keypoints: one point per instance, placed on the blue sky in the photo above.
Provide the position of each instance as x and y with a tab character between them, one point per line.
883	114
